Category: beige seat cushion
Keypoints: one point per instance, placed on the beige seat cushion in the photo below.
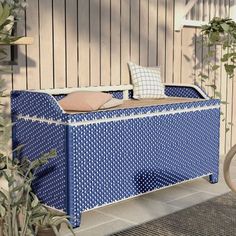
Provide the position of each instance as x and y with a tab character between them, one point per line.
84	101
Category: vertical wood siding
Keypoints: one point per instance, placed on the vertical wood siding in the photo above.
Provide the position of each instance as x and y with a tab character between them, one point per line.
89	42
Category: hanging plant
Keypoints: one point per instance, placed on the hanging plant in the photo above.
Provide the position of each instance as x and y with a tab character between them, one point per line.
220	32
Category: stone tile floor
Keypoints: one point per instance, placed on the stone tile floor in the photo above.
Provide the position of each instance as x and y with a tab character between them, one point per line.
110	219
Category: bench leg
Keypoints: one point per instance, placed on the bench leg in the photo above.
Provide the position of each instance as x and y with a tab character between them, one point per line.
214	178
76	220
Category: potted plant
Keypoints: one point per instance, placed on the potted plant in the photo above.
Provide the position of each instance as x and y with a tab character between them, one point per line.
17	199
220	31
21	212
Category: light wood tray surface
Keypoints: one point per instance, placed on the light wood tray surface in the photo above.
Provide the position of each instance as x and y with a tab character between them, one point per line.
148	102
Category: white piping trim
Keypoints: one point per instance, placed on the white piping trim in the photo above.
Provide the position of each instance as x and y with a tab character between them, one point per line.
142	194
98	88
121	118
191	86
57	103
124	88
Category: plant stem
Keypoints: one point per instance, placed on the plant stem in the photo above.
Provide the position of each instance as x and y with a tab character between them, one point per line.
25	222
14	221
26	218
9	215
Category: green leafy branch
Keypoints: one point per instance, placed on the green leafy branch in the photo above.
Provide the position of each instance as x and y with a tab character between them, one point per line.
220	32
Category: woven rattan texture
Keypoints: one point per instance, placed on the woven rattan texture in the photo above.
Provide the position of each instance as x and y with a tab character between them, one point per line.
116	160
38	139
188	92
100	163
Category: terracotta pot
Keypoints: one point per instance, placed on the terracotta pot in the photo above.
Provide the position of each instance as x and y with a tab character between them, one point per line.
46	232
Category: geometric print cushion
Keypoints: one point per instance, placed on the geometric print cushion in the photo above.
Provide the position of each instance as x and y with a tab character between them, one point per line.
146	82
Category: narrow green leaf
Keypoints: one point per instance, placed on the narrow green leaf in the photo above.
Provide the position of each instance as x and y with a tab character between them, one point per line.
217	94
225	27
35	201
214	37
2	211
215	67
224	102
5	14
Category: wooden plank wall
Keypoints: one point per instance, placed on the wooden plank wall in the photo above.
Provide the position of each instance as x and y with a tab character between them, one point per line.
89	42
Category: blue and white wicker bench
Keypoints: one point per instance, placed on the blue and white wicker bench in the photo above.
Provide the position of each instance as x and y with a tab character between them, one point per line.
110	155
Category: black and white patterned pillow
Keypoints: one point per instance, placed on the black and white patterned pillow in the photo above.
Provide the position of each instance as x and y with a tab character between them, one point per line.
146	81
